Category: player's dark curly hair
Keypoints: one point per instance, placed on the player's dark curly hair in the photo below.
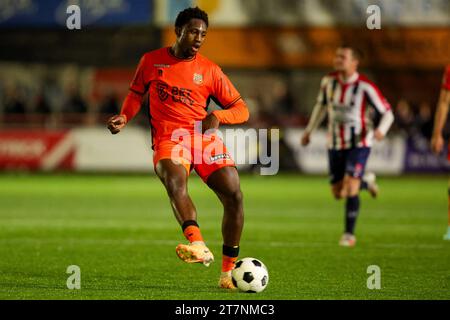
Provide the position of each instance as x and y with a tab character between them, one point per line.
191	13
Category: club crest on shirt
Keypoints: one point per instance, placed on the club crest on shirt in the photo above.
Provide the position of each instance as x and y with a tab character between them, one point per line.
198	78
162	91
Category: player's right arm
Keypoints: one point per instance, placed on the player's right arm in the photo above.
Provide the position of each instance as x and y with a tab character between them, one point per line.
318	114
133	101
437	140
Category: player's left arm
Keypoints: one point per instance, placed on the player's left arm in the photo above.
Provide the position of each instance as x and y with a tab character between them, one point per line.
437	140
383	107
234	110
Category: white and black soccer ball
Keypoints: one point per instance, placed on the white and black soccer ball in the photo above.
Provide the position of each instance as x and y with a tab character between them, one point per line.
250	275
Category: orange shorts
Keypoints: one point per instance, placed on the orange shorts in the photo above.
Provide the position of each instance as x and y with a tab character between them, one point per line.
203	153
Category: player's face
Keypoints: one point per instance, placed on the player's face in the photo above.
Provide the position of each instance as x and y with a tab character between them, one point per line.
191	37
344	60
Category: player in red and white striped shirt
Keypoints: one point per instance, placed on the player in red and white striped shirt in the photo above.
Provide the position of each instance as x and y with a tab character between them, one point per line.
437	141
350	99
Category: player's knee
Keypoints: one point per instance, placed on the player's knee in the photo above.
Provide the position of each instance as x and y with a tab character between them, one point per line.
234	206
176	187
234	198
337	194
237	197
352	187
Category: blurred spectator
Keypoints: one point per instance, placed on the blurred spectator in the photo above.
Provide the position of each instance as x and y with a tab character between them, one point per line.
110	104
14	102
423	122
74	103
53	93
283	101
41	104
404	117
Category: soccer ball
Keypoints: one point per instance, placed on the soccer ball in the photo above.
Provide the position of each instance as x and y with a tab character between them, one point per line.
250	275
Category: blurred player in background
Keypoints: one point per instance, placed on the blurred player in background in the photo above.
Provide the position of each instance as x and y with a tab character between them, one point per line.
348	97
181	83
437	141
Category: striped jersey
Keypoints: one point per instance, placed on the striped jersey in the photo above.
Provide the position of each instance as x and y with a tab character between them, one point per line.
350	105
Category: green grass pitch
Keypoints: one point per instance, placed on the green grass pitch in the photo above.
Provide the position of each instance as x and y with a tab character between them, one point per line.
121	232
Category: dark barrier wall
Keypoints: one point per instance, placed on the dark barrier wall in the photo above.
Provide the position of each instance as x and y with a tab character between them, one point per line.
113	46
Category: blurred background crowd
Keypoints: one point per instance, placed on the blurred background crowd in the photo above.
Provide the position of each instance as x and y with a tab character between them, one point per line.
274	51
273	98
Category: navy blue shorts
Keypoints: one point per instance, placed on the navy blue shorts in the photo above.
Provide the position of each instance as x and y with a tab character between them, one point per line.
351	161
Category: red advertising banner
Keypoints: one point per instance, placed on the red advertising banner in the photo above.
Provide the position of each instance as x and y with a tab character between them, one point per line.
36	150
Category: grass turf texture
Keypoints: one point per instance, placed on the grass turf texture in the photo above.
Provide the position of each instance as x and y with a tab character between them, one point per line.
120	231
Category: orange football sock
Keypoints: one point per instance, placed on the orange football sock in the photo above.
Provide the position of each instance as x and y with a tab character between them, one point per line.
228	263
193	234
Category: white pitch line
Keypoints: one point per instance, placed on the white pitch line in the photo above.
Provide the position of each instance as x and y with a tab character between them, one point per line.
278	244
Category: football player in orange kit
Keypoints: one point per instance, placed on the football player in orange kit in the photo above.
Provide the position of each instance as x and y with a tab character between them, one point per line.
437	141
181	82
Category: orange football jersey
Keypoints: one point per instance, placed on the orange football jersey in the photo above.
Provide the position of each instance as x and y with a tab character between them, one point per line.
180	89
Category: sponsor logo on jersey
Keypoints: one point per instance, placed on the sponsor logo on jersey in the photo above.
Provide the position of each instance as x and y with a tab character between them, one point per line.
219	157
